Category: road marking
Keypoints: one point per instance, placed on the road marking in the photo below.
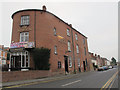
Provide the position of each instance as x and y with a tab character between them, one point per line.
111	84
32	83
109	81
71	83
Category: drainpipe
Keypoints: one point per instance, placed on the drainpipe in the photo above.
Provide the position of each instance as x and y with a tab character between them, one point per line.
35	28
73	49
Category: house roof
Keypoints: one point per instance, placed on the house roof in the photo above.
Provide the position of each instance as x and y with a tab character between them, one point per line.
49	13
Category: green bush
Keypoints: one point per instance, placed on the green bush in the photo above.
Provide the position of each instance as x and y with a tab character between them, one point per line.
41	58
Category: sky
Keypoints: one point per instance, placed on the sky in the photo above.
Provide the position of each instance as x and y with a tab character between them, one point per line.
96	19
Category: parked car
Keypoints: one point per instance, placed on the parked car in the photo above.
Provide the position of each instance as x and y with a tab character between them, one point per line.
100	68
110	67
105	67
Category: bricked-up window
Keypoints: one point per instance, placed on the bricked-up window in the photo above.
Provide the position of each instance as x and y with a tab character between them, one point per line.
25	20
69	48
79	62
55	31
59	64
55	48
77	48
68	32
24	36
85	50
76	37
70	61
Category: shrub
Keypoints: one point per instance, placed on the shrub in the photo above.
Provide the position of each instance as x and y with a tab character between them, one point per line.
41	58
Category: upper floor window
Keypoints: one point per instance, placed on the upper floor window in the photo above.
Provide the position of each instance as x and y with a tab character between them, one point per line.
85	50
70	61
4	54
77	48
69	48
55	31
76	37
68	32
83	41
24	36
0	54
25	20
55	48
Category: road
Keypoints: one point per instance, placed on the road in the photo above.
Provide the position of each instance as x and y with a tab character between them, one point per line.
96	79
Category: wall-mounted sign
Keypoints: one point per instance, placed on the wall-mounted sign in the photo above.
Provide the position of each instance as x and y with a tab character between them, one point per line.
22	44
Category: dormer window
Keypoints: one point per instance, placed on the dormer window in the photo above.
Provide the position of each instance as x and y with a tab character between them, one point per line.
25	20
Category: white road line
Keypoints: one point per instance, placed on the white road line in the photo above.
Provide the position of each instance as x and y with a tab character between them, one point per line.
71	83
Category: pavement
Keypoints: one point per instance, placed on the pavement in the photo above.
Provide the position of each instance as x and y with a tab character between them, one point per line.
93	79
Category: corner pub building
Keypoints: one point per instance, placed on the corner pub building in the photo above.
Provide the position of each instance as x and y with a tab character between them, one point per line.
34	28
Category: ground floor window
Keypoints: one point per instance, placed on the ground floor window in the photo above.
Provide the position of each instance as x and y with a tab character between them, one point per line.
59	64
20	60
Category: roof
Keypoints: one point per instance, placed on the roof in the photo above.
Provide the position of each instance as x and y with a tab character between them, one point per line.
49	13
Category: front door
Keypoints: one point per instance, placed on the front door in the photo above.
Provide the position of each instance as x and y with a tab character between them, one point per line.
84	66
66	63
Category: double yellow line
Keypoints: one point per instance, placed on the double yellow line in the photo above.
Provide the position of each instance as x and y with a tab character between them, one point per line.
109	81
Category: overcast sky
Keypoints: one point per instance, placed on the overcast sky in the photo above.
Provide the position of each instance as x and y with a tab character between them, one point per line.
96	20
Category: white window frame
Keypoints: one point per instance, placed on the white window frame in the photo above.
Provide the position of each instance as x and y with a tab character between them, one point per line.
55	49
83	41
68	32
4	54
79	62
55	33
23	36
59	64
25	20
77	48
85	50
69	46
0	53
76	37
70	61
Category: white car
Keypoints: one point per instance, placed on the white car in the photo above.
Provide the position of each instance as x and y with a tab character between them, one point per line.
110	67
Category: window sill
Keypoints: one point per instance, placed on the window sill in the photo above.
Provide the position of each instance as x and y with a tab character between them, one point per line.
24	25
69	50
55	53
70	66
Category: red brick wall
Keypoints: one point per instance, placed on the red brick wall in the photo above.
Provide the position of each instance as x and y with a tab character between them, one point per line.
45	22
26	75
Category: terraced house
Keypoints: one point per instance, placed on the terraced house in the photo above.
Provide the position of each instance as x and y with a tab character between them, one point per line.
34	28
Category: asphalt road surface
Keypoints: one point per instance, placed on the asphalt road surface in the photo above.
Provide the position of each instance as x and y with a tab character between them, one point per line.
96	79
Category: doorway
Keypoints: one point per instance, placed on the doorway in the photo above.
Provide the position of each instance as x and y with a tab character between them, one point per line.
84	66
66	63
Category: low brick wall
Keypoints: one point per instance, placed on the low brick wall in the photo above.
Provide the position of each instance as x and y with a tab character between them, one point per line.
26	75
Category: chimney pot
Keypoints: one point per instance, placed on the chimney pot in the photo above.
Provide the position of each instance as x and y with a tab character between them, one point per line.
70	25
44	7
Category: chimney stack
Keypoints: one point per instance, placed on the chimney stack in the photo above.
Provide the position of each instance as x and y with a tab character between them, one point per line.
70	25
44	8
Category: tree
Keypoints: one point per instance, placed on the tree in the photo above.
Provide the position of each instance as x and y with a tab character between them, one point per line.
113	61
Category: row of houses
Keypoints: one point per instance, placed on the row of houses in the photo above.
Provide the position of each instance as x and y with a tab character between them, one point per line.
35	28
98	61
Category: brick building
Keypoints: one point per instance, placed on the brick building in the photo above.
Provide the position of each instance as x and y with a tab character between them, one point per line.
34	28
3	55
